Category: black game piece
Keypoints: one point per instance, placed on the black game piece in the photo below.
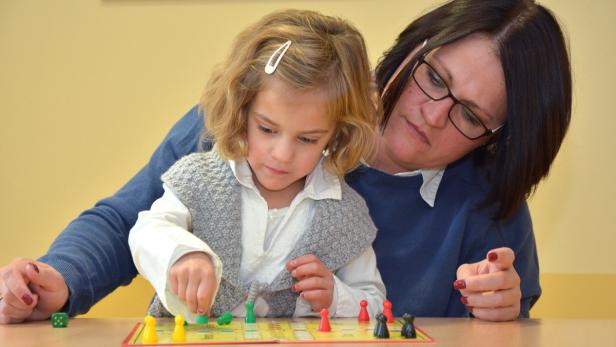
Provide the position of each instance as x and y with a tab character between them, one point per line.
408	329
380	329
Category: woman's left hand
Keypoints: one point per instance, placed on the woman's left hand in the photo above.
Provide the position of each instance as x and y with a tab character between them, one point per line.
491	288
315	281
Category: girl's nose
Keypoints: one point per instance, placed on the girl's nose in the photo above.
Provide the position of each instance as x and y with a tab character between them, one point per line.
283	151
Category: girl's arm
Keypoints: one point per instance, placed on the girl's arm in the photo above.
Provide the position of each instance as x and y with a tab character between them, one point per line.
158	240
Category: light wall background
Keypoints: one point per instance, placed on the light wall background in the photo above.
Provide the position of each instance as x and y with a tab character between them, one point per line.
88	88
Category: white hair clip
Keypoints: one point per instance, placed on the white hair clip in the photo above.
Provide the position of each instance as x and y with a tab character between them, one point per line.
271	65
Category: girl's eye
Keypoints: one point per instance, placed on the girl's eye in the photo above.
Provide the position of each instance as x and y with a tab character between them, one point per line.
307	140
265	129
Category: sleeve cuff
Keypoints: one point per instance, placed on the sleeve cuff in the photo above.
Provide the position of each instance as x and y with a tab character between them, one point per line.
71	275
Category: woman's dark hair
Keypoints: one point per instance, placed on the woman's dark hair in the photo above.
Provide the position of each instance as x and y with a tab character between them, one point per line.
535	61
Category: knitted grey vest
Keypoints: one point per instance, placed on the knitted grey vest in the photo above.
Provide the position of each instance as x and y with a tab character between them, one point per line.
339	232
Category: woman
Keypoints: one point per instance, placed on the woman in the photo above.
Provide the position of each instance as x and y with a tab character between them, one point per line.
477	100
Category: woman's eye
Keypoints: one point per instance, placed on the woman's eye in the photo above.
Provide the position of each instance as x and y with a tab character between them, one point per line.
435	79
470	117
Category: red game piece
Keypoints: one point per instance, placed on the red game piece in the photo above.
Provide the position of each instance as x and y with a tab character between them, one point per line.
363	312
324	325
387	311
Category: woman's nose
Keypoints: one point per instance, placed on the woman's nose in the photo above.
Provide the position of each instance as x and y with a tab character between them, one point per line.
436	113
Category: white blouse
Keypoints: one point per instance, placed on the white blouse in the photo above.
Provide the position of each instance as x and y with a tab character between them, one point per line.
160	238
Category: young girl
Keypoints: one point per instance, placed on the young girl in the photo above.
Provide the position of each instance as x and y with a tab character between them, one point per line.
270	219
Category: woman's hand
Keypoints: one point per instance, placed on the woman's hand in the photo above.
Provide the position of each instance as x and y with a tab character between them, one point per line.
30	290
491	288
315	281
193	280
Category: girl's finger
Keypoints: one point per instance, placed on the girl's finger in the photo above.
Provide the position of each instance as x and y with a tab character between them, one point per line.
304	259
191	293
318	298
205	294
182	279
313	283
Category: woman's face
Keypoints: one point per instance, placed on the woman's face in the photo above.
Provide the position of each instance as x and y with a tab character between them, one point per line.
419	134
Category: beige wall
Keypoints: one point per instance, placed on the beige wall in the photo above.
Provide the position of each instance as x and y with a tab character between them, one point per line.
88	88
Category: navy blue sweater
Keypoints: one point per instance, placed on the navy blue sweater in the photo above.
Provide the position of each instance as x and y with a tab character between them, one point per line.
418	248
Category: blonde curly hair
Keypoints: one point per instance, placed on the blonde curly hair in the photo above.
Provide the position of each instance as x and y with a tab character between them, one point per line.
326	52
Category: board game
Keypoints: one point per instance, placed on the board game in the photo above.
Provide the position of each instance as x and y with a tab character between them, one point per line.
273	330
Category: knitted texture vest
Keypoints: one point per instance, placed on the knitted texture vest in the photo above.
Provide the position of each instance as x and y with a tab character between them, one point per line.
205	184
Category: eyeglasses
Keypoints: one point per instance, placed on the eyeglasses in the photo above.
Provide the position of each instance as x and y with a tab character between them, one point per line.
460	115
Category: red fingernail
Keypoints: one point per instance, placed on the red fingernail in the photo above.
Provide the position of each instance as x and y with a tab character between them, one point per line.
27	299
464	300
201	312
492	256
459	284
35	267
294	288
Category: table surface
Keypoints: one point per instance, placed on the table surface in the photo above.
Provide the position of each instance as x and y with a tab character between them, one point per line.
94	332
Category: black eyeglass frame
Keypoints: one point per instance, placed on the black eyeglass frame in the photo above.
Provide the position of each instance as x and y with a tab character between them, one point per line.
487	132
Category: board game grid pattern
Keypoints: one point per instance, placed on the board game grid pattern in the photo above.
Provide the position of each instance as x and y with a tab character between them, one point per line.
289	330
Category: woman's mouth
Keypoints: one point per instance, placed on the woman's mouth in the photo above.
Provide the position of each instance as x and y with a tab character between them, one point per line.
415	132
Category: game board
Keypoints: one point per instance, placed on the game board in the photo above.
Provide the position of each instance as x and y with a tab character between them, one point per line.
274	330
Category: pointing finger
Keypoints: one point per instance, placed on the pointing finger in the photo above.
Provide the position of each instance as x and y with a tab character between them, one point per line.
500	258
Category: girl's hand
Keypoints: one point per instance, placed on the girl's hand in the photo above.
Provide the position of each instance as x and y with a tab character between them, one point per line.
315	281
30	290
193	280
491	288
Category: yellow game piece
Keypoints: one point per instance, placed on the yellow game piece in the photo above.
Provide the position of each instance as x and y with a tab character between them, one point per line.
178	331
149	332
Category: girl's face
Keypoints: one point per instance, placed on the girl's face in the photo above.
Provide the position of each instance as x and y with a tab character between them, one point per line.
419	134
288	129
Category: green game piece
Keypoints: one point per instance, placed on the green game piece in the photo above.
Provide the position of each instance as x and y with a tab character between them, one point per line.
59	320
250	313
225	318
202	319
